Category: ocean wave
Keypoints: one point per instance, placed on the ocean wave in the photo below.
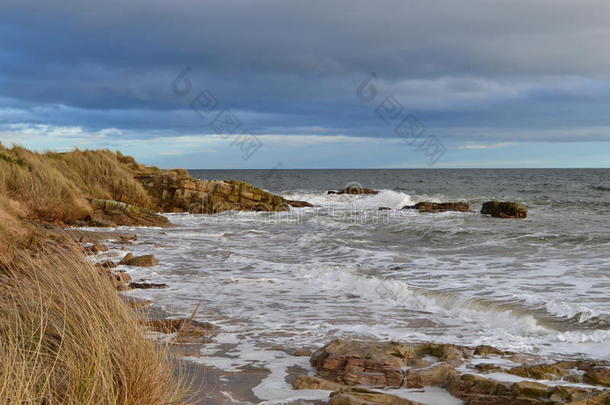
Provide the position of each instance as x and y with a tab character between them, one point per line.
397	293
596	336
573	311
385	198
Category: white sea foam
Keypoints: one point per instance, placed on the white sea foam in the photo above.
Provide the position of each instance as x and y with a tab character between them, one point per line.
396	293
385	198
570	310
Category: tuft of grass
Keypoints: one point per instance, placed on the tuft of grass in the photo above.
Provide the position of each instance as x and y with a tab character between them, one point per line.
66	337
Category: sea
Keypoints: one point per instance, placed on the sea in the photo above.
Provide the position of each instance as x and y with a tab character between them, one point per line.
277	282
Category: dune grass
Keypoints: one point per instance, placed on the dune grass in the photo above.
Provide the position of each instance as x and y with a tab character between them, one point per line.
54	186
66	337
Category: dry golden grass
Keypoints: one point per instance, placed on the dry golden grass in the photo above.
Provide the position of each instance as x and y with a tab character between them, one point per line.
66	337
54	186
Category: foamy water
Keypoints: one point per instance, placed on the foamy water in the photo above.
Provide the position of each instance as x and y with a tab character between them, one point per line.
345	269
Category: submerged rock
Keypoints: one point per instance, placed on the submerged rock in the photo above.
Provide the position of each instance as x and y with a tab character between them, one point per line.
432	207
145	286
298	204
141	261
504	209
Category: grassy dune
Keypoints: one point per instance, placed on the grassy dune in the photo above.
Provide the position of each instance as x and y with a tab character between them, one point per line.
66	337
53	186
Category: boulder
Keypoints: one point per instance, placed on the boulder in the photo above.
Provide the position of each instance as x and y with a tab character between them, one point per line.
504	209
352	362
127	258
141	261
432	207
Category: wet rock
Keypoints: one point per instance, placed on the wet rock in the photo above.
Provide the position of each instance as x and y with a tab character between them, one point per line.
539	372
449	353
127	258
569	394
99	247
307	382
298	204
424	377
361	396
108	213
486	350
367	363
185	329
598	376
141	261
147	285
532	389
599	399
303	352
433	207
504	209
122	277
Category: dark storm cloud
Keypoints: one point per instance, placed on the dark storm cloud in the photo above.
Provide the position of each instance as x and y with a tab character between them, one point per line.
287	65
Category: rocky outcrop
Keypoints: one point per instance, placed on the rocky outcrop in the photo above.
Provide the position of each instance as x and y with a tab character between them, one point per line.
432	207
109	213
342	364
504	209
176	191
367	363
379	364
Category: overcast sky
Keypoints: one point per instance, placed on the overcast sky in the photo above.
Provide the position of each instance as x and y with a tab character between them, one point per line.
314	84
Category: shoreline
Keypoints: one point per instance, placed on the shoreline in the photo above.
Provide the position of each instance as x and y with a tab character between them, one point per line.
245	381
